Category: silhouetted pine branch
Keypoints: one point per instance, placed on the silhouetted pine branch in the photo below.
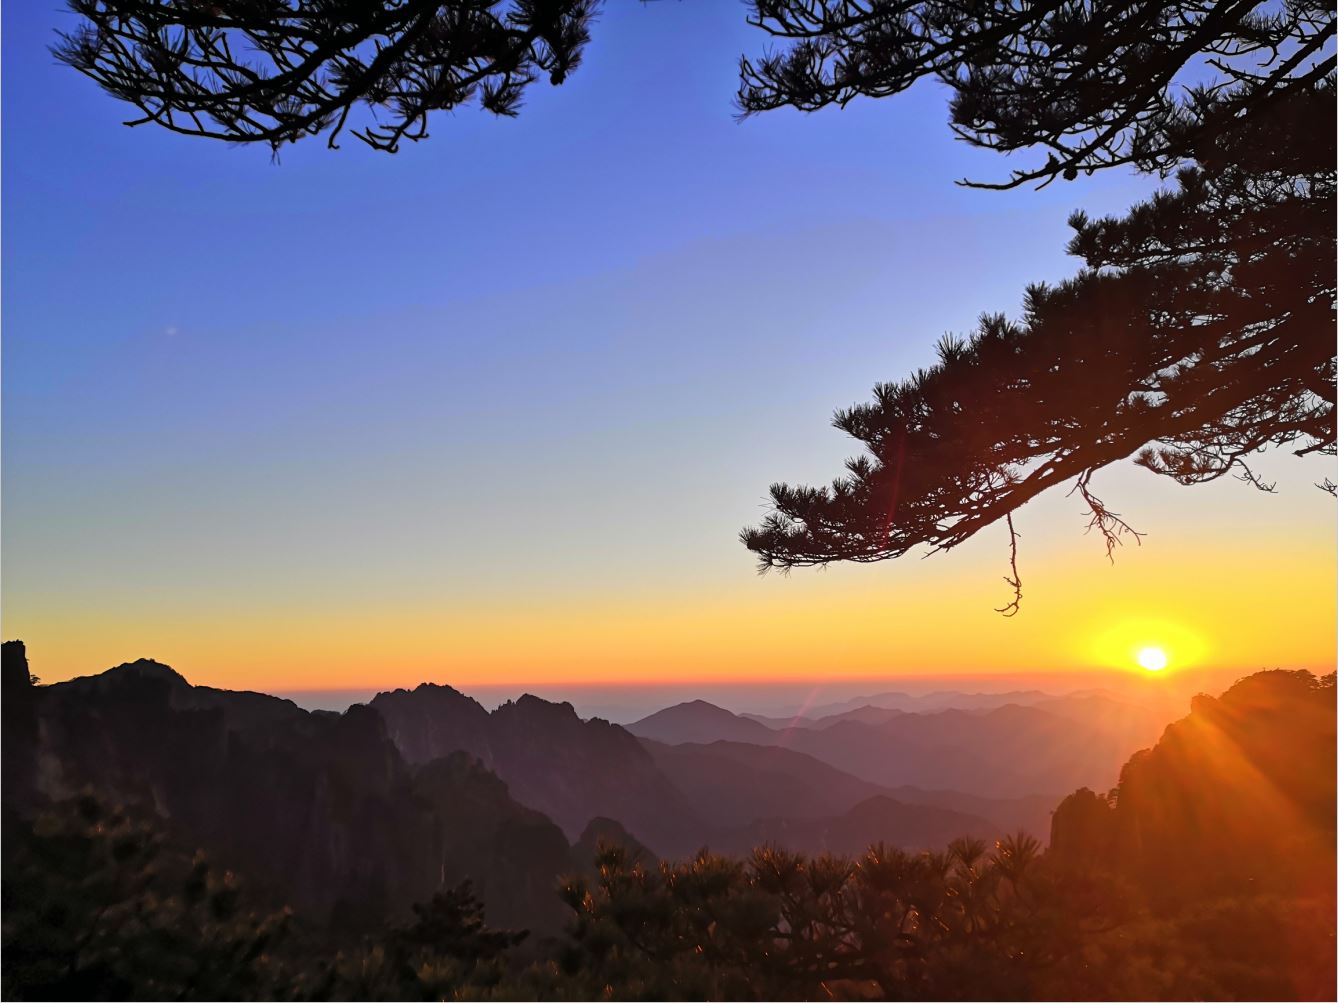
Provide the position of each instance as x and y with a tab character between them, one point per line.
276	71
1200	330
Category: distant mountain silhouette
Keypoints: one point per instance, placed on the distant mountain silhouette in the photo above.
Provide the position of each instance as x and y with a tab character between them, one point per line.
1007	751
699	721
1140	723
865	714
1010	751
571	770
732	784
906	702
860	715
318	809
1134	718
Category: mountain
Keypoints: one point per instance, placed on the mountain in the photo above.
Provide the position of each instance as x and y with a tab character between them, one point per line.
319	810
878	819
1007	751
552	761
732	784
1010	751
432	721
1239	796
881	707
865	714
778	723
699	721
1140	723
861	715
913	703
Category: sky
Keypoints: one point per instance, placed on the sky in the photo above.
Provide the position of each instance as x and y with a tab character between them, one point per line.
492	411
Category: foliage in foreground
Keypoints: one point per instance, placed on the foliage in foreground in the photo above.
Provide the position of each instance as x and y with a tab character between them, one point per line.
963	924
98	905
94	911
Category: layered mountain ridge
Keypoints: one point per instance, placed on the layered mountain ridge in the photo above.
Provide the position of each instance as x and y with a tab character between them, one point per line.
572	770
354	816
319	808
1009	750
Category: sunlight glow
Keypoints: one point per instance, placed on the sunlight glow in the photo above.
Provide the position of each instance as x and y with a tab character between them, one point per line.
1118	642
1153	659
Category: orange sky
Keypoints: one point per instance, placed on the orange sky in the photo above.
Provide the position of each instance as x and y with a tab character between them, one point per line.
1244	604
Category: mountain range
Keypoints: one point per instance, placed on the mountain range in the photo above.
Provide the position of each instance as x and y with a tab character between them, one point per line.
733	784
908	703
551	760
1048	746
319	809
354	816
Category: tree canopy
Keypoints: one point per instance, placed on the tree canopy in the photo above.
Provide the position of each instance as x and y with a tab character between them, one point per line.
1200	330
276	71
1092	84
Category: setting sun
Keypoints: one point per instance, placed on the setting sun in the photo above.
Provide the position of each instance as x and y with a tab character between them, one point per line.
1152	659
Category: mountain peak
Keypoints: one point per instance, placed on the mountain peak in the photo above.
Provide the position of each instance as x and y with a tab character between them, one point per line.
530	702
436	688
704	705
148	668
700	721
693	707
129	674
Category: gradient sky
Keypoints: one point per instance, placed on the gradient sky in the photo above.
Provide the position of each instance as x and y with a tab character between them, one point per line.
492	411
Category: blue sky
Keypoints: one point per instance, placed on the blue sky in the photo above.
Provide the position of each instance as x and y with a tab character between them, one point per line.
523	361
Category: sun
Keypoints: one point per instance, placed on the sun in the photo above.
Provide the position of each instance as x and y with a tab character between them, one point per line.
1151	658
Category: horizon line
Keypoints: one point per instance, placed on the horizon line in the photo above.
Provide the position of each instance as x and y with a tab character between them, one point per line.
1075	675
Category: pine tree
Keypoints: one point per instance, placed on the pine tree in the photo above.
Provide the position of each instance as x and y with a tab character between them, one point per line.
276	71
1200	330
